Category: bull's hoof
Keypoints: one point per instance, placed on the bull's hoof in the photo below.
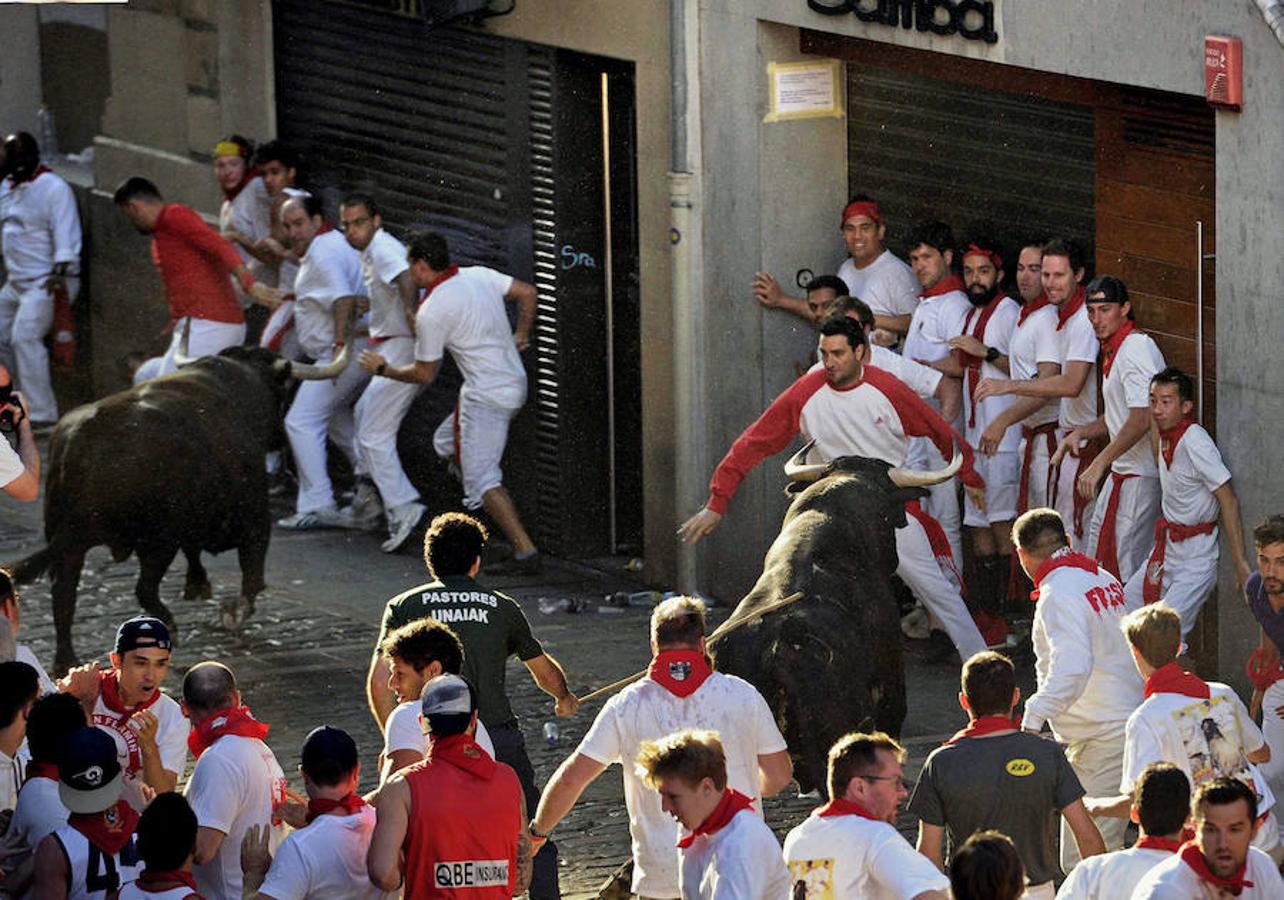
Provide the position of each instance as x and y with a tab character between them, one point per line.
201	591
233	613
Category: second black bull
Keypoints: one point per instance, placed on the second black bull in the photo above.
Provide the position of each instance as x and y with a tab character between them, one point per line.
831	663
174	464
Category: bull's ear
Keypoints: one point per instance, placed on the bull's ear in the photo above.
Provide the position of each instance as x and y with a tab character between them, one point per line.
796	487
281	368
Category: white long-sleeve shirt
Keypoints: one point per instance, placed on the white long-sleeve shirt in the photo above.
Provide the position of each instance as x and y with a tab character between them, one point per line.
1088	685
39	226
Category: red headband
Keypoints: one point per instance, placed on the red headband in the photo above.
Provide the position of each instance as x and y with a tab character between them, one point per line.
862	208
974	250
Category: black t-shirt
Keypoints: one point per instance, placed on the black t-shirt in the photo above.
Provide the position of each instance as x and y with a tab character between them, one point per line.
1014	783
491	626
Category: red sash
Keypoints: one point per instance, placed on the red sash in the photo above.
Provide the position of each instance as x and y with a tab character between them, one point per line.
1173	679
939	542
226	721
983	725
1110	349
1192	856
1032	307
944	286
319	806
680	672
1166	531
1065	558
1049	432
462	752
732	802
842	807
1260	671
1072	306
972	364
1107	552
109	830
1148	842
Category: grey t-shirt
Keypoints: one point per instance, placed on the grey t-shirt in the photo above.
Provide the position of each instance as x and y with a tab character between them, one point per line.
1015	783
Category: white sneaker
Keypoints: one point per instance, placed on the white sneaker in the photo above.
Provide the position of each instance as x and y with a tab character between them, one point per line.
326	517
401	524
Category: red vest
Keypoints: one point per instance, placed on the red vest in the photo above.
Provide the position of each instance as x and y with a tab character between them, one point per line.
462	839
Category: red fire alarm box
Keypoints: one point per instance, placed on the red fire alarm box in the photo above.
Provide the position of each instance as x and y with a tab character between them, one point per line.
1224	71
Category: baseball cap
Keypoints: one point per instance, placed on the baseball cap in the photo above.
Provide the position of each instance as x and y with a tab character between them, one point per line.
89	777
1111	289
327	747
142	633
447	695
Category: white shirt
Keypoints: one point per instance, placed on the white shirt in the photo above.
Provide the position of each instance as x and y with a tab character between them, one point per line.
936	320
250	214
919	378
1079	344
1088	685
1172	879
39	226
1107	876
11	467
998	334
402	731
23	654
76	850
330	269
171	738
39	812
1204	738
381	262
854	858
887	285
1126	388
1036	341
132	891
739	861
13	770
1196	472
646	711
237	783
465	314
325	860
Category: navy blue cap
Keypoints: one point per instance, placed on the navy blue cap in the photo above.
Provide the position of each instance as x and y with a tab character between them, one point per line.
325	746
142	633
89	778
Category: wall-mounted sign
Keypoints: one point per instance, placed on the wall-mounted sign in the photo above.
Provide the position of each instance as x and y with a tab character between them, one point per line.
804	90
971	19
1224	71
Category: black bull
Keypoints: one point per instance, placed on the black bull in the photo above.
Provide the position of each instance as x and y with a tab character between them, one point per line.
832	662
174	464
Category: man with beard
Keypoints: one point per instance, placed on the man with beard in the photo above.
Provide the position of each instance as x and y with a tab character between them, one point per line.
1265	594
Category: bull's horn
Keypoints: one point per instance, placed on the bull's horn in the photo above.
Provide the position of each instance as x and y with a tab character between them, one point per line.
332	369
914	478
181	357
798	469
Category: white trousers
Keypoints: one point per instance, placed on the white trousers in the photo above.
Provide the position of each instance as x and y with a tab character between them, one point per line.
379	412
1189	576
1099	765
321	408
1038	490
206	339
1273	731
942	500
483	432
26	315
1064	478
1139	504
923	576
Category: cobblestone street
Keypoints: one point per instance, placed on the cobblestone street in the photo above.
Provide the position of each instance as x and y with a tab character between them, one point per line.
301	660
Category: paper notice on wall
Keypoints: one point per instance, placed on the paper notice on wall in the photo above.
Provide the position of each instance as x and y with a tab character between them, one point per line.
804	90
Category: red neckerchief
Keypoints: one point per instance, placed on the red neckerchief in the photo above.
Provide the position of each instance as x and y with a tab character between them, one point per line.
319	806
841	807
1169	438
239	721
1072	306
1063	558
1110	349
164	880
1149	842
680	672
1192	856
732	802
461	751
1032	307
39	170
983	725
109	830
109	690
1173	679
944	286
251	173
450	272
37	769
1261	672
972	364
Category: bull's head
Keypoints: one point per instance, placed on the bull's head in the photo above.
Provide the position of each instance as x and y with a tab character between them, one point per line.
300	370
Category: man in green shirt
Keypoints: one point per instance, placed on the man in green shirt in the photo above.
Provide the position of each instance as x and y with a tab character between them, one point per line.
492	628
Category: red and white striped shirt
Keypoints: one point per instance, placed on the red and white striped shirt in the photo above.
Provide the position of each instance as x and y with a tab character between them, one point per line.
874	418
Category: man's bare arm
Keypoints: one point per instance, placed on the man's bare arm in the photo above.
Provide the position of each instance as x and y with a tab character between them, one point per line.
378	694
1068	383
384	860
564	788
527	305
208	842
525	852
775	771
1086	834
409	293
26	487
929	843
551	678
1233	527
898	324
51	873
